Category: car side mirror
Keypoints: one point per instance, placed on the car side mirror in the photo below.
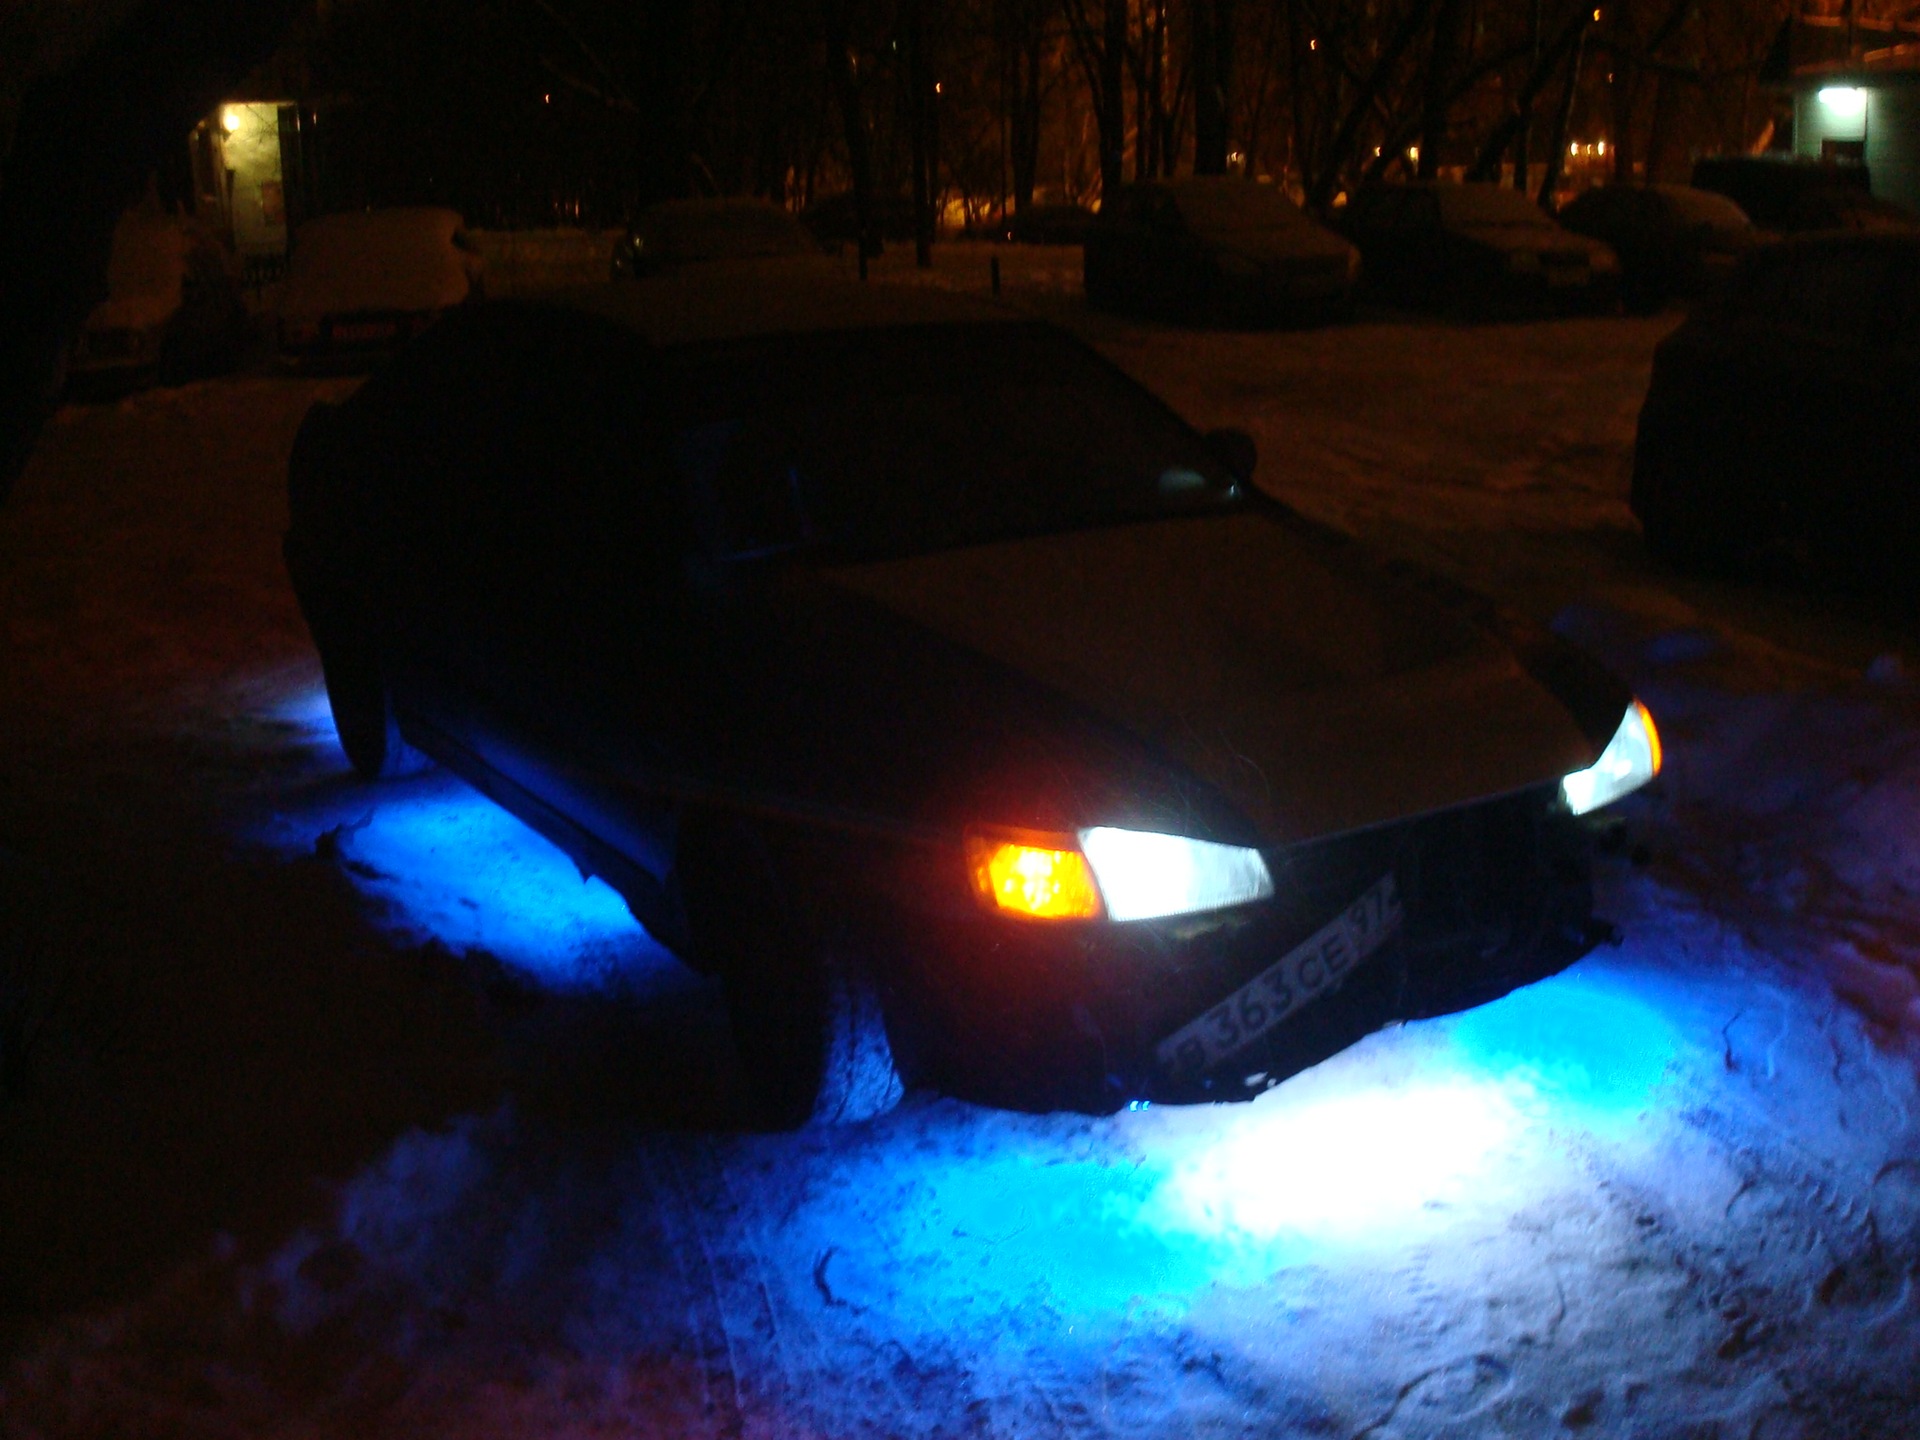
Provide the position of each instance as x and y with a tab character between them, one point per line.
1235	450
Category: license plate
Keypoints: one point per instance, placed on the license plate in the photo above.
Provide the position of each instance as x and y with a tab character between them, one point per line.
1313	968
365	330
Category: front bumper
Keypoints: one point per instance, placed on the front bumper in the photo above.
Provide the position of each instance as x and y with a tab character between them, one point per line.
1040	1016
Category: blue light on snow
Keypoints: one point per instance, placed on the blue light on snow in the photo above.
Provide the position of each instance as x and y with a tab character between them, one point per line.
444	863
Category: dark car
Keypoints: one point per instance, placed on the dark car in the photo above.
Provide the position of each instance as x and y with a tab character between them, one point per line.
1844	208
1779	427
1672	240
973	718
1210	249
1050	223
1791	194
833	220
677	233
1477	248
362	283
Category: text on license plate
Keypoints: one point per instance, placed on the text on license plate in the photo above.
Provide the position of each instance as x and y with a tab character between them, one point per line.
1314	967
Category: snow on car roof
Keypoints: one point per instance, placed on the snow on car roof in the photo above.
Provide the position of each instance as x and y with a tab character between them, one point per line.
400	259
144	273
1219	202
691	309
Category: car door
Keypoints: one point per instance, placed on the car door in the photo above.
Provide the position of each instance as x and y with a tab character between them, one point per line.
581	691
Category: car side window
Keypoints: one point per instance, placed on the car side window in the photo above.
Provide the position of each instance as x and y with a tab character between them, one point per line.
584	481
436	419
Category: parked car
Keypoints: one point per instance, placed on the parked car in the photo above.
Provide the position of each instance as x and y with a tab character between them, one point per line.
1779	426
678	233
361	284
1672	240
173	309
1049	223
1213	249
908	666
1789	194
1844	208
834	221
1477	248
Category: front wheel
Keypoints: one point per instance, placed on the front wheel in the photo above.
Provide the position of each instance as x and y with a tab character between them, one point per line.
358	692
805	1012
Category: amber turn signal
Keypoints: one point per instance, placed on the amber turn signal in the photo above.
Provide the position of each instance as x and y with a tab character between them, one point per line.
1028	876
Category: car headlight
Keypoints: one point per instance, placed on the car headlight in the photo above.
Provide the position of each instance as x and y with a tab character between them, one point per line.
1631	759
1121	874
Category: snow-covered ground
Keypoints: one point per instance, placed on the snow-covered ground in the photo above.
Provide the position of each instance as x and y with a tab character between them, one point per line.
360	1114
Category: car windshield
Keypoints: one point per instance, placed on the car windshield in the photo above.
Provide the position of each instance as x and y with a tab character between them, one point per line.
1483	205
723	232
886	443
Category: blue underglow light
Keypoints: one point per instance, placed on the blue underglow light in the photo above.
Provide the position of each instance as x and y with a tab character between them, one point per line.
443	863
450	865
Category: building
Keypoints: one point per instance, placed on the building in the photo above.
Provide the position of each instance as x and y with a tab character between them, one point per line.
1864	108
253	178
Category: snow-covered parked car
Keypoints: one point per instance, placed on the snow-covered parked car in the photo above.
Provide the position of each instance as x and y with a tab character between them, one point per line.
360	284
1778	427
674	234
172	309
973	718
1210	249
1479	248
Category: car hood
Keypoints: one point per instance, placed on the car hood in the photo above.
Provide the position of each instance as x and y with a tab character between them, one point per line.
1302	685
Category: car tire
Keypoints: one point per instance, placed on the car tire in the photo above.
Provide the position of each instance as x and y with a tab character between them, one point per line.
806	1015
358	693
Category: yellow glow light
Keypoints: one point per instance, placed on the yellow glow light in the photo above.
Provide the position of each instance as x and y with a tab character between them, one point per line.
231	118
1653	735
1042	882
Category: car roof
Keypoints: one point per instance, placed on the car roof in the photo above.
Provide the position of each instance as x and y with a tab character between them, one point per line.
693	309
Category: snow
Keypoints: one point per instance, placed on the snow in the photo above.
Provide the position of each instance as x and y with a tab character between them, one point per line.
401	259
145	272
372	1118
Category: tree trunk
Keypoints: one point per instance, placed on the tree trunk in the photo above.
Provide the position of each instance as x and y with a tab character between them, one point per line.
1563	117
1441	63
1113	110
1523	140
846	87
1212	68
920	131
